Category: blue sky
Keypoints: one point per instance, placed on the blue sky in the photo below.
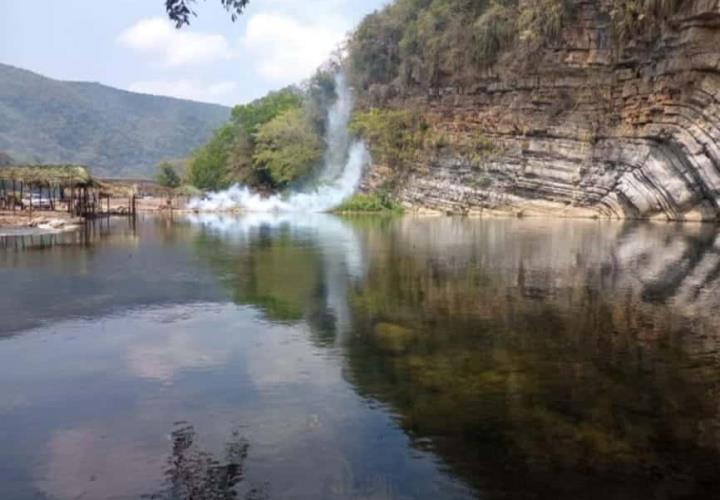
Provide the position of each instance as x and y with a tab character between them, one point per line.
134	47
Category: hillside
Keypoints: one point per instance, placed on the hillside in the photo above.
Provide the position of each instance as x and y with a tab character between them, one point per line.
556	107
115	132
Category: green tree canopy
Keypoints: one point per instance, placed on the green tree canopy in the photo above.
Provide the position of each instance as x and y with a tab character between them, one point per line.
208	165
287	147
250	117
287	124
167	176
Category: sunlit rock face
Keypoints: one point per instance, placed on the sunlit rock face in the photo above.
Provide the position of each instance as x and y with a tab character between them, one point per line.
583	127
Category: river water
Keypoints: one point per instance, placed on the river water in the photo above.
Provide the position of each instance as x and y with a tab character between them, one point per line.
317	357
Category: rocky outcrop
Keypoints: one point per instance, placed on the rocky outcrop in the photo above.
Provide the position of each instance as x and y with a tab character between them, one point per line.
582	127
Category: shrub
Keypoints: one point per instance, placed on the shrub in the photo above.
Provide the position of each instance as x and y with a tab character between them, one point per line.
369	203
167	176
542	20
493	32
395	137
631	18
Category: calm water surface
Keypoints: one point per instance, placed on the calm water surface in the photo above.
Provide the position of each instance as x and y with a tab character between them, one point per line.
315	357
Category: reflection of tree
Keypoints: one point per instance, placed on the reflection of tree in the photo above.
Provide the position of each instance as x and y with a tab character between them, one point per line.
197	474
274	272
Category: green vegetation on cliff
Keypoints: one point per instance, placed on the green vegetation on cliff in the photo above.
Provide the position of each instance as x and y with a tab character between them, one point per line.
434	43
395	137
368	203
438	42
399	138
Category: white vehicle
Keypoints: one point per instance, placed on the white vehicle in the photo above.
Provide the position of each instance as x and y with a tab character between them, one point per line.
38	201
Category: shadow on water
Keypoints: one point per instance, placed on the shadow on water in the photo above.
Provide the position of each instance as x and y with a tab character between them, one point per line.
532	359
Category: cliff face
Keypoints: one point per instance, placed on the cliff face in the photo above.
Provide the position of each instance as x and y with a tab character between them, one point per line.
582	126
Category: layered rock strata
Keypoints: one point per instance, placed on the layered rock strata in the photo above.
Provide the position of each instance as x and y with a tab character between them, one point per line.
581	127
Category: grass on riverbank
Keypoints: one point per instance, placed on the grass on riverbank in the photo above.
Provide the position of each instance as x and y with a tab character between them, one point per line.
368	203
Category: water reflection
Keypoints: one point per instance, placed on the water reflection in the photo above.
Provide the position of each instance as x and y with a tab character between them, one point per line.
292	266
534	351
194	473
367	358
513	349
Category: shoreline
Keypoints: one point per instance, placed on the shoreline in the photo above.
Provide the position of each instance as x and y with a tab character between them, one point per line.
40	222
49	222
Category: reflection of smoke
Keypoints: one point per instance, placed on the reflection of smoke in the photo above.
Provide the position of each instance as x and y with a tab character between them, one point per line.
338	243
338	179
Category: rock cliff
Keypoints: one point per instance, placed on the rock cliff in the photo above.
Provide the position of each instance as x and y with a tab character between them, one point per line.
585	126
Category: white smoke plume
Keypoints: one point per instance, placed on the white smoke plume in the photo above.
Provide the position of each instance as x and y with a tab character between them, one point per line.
338	179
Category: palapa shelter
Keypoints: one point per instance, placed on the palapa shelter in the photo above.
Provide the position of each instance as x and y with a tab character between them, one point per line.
53	187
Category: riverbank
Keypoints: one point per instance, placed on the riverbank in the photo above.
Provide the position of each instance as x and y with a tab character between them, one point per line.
46	221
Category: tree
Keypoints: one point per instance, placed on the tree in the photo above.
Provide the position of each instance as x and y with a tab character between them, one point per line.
208	166
250	117
287	147
167	176
179	11
228	157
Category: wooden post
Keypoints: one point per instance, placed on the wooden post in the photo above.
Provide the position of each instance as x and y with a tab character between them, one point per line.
52	195
14	195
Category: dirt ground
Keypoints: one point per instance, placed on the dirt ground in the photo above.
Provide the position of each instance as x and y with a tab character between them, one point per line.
154	204
45	219
25	218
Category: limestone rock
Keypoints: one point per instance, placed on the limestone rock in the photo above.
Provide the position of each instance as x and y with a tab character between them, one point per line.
583	128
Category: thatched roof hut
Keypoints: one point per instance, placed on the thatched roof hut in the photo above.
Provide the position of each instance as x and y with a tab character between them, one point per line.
70	186
55	175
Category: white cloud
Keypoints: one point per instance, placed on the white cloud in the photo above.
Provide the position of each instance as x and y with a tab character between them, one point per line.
285	49
157	38
218	92
168	354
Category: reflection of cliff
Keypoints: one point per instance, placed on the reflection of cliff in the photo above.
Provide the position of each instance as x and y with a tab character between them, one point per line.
547	355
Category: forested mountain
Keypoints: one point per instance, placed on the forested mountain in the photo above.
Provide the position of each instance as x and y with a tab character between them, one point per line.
114	132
